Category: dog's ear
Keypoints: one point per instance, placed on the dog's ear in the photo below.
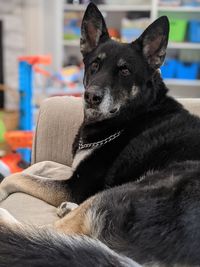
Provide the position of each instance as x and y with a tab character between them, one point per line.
154	42
93	29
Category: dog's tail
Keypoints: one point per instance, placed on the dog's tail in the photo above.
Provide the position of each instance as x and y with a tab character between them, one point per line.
31	247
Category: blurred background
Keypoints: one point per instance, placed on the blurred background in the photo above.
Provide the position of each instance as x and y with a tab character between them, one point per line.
39	54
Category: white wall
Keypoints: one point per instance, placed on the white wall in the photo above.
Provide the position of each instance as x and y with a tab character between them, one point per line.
11	12
31	27
43	22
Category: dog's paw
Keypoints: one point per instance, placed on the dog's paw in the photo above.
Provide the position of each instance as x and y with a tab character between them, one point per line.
6	217
65	208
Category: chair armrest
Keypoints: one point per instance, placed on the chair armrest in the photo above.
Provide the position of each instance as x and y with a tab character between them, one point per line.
58	122
28	209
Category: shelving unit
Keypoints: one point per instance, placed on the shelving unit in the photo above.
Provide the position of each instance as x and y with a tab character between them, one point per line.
179	9
184	45
71	43
109	8
183	82
155	11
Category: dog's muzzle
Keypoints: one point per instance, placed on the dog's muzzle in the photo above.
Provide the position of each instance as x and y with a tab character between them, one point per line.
93	96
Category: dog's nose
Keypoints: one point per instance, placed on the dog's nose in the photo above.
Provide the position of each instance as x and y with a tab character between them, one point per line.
93	98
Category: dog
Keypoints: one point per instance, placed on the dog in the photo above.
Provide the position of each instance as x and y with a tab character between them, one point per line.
136	168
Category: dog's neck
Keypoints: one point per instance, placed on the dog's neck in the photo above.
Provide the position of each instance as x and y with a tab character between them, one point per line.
98	143
95	132
134	116
133	122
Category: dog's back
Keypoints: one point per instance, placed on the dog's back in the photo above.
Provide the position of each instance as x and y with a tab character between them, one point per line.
156	220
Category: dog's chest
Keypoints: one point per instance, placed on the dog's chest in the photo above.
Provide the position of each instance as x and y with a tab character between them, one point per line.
80	156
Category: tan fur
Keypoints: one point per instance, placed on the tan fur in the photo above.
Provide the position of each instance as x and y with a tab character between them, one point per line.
77	221
49	190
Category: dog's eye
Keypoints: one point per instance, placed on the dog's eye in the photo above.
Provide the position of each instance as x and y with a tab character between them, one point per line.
94	66
124	71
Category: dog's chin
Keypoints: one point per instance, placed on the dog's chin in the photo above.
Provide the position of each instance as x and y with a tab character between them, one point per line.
92	115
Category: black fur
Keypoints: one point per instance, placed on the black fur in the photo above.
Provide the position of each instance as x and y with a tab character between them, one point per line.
156	220
44	248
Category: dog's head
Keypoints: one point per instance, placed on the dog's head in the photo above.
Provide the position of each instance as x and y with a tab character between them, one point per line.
117	73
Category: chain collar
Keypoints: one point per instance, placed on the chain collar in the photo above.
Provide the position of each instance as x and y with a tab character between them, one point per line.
81	145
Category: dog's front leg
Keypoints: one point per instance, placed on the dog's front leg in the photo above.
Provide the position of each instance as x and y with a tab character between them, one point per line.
78	221
65	208
50	190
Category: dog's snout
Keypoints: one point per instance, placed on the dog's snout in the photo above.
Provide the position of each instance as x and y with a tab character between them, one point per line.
93	98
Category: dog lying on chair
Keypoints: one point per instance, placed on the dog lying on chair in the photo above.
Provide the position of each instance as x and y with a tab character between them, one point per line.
136	167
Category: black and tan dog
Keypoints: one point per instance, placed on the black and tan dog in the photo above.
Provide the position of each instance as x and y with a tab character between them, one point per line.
136	167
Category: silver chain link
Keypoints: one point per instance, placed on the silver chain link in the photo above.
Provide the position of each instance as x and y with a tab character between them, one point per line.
81	145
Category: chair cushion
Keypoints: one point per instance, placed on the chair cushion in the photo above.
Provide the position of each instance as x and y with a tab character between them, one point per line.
29	209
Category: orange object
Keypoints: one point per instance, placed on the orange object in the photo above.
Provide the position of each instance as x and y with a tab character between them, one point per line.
45	60
114	33
42	71
12	162
35	60
19	139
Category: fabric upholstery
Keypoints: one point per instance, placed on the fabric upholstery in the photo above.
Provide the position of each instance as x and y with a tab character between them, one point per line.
29	209
58	123
191	104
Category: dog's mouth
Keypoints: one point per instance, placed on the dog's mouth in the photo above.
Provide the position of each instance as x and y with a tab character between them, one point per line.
114	110
96	114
